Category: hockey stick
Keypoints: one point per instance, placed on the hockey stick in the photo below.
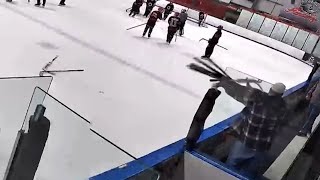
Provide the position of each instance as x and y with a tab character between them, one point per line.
136	26
68	70
217	44
49	63
58	71
202	70
176	37
216	65
126	9
207	66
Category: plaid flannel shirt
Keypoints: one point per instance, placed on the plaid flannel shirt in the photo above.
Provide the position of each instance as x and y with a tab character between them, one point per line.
260	118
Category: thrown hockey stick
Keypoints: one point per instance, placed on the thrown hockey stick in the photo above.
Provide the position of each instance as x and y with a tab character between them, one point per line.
136	26
211	68
217	44
59	71
49	63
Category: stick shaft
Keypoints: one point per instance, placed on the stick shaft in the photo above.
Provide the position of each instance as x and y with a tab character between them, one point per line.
136	26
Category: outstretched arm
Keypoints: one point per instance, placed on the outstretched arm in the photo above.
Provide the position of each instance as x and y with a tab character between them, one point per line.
238	92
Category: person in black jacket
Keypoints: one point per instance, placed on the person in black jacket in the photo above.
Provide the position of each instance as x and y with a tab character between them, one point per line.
168	9
136	8
201	18
213	42
149	6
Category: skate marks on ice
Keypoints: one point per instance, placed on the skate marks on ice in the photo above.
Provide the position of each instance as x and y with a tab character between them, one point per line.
47	45
103	52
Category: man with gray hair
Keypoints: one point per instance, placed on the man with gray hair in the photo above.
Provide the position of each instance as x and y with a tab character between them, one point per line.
256	126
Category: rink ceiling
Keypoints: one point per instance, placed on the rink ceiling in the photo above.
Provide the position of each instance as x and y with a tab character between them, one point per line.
136	92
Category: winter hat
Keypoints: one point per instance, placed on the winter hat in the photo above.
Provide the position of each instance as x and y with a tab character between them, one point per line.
278	88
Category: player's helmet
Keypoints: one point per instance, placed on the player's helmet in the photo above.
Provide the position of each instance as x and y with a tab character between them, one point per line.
220	27
183	10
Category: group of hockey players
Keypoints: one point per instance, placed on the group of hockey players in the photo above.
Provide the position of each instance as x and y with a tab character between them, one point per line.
176	22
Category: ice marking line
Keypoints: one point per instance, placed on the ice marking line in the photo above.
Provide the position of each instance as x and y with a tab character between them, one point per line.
104	53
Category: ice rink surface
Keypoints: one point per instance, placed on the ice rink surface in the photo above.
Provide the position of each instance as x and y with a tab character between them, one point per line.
137	92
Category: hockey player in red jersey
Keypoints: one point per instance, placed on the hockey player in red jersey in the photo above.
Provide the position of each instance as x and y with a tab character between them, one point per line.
154	16
136	7
174	24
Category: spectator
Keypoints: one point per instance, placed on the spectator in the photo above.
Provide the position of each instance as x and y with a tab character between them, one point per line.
314	109
256	126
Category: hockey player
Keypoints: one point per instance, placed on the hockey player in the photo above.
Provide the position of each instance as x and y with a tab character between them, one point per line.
136	8
168	9
174	24
154	16
183	18
201	17
149	6
213	42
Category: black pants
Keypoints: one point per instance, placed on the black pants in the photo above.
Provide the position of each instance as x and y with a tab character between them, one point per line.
166	14
171	32
148	27
133	12
181	28
209	50
200	22
147	12
62	1
43	2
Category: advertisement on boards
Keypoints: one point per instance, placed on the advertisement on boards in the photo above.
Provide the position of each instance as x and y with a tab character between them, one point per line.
304	13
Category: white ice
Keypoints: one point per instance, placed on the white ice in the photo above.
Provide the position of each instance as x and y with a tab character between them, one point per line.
137	92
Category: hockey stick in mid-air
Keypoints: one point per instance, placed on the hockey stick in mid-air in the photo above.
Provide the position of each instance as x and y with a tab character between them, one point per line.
217	44
136	26
60	71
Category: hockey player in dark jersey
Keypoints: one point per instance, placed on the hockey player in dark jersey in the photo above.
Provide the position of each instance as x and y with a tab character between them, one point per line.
183	18
168	9
174	24
201	17
154	16
149	6
136	8
213	42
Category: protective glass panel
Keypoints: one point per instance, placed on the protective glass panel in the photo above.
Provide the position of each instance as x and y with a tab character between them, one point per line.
310	43
242	78
72	149
244	18
316	51
300	39
256	22
279	31
290	35
15	94
267	27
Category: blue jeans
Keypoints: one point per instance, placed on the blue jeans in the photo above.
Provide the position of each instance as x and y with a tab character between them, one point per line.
314	112
246	160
